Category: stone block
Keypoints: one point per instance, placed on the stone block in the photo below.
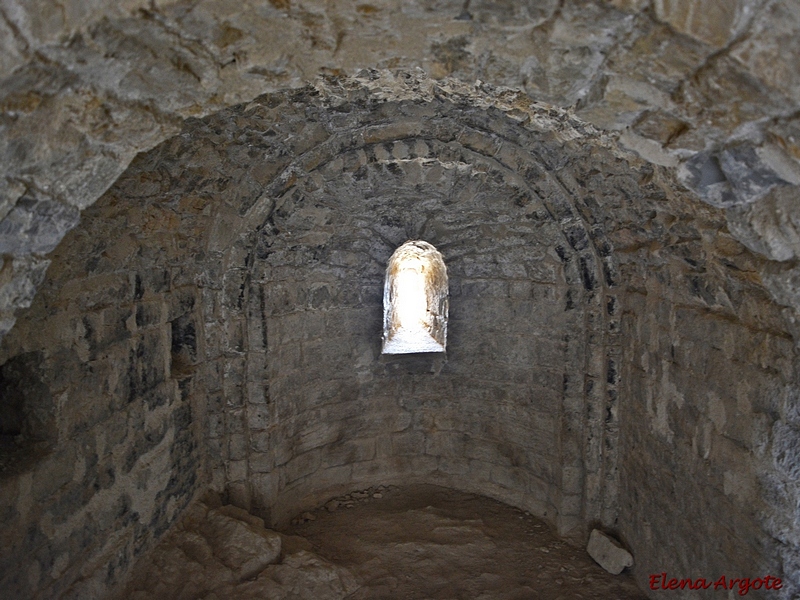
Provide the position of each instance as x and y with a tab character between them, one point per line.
768	227
480	470
261	462
714	22
540	491
216	426
149	313
302	466
408	443
771	43
420	466
35	226
28	272
236	470
258	417
608	553
446	444
264	488
349	452
570	505
55	471
242	545
237	447
786	449
454	466
182	300
317	434
510	477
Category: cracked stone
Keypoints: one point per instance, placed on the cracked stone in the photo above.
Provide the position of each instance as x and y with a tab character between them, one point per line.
36	226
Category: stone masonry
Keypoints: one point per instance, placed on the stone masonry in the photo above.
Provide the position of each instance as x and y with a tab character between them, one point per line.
198	200
613	357
710	88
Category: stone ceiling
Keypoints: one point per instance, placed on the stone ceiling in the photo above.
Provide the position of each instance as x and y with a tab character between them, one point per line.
710	89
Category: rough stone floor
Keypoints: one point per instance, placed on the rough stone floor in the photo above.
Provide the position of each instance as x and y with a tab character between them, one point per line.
416	542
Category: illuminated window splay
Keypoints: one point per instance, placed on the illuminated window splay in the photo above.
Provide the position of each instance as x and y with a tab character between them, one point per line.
415	300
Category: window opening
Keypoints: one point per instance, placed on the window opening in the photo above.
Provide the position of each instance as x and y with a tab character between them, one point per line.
415	300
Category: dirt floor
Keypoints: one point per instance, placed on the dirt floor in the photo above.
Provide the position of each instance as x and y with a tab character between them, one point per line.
427	542
417	542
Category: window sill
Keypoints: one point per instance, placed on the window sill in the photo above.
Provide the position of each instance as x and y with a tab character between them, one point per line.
419	363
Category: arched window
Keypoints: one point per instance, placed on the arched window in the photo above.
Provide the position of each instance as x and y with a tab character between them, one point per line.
415	300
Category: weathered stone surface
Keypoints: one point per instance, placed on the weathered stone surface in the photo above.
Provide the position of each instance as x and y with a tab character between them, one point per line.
10	192
736	175
23	276
770	48
749	177
226	553
35	226
784	284
608	553
715	22
704	173
786	449
41	22
84	88
771	227
214	320
245	548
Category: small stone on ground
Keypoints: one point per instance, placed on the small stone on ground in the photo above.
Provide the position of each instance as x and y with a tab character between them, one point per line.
608	553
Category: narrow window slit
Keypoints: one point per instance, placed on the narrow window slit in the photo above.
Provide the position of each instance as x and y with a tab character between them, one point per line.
415	300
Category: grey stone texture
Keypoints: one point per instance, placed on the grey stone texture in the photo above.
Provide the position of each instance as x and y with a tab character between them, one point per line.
709	87
614	358
607	552
226	553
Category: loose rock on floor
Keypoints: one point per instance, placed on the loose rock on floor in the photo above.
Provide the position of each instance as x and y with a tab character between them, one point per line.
226	553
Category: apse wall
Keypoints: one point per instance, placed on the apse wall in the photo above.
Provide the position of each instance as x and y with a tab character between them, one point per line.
290	208
486	416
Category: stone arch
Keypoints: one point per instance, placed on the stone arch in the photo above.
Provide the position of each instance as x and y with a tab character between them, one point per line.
224	295
486	137
263	206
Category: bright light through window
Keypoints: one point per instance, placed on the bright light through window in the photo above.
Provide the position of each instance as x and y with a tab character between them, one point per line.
411	301
415	300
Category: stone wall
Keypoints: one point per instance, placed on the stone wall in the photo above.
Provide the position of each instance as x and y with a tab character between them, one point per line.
710	384
384	173
613	357
109	350
339	414
252	265
699	429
